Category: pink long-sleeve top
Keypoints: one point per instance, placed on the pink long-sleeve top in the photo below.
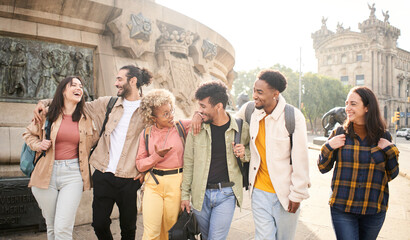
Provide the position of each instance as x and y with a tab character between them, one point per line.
173	159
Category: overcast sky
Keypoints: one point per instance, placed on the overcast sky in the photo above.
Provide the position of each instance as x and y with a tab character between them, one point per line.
266	32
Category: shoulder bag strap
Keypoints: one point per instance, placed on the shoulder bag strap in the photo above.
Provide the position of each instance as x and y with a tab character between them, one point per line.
110	106
181	131
239	122
147	132
290	125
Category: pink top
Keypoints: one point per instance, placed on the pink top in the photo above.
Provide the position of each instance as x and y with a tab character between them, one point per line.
173	159
67	139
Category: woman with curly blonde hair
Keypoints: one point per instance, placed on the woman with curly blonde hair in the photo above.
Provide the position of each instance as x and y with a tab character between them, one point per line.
161	151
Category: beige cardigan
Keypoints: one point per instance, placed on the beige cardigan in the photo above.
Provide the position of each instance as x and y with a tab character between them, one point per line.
42	172
291	182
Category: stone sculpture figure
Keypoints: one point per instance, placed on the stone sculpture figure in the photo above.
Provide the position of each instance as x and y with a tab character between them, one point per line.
333	116
44	77
5	59
372	10
324	20
340	27
386	16
17	71
81	70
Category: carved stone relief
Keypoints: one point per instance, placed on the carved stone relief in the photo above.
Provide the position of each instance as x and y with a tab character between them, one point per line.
209	50
31	70
140	27
175	65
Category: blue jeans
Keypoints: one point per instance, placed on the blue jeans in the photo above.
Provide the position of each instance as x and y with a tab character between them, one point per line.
60	201
216	215
272	221
356	226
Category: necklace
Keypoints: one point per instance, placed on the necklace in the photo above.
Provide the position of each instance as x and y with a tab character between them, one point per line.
166	137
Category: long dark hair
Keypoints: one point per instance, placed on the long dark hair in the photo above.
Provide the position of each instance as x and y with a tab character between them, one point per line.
57	105
374	123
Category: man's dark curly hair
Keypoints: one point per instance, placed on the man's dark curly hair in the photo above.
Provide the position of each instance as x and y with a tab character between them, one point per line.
215	90
275	79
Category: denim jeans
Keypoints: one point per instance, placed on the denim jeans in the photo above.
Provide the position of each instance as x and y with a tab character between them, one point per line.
356	226
216	215
272	221
60	201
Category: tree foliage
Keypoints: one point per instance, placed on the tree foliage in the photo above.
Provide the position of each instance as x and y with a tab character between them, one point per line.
319	93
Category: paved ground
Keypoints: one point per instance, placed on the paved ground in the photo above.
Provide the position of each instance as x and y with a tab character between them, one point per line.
314	221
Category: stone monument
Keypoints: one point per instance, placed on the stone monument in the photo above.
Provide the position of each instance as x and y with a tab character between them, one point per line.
43	41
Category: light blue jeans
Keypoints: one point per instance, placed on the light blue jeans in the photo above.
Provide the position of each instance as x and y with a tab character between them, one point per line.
272	221
60	201
216	215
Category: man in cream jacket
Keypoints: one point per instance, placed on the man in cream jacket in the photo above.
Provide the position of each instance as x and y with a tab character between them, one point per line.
277	185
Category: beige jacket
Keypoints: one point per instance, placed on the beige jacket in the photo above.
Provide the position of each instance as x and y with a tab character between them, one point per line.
291	182
42	172
101	157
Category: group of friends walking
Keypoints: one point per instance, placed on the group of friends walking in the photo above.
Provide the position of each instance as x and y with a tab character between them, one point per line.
196	164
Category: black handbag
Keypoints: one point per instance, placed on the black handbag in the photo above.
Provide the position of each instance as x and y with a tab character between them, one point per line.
185	228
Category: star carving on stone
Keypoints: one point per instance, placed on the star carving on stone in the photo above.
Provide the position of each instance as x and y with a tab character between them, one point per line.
209	50
140	27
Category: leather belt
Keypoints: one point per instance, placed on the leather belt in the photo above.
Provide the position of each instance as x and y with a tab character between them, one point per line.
219	185
167	172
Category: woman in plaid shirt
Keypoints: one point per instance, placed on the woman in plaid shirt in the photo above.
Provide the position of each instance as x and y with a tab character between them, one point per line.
366	160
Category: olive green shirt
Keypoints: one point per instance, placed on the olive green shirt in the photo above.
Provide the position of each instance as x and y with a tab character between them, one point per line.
197	160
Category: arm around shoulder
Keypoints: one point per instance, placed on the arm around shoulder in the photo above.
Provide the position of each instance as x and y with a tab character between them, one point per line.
33	135
97	108
188	167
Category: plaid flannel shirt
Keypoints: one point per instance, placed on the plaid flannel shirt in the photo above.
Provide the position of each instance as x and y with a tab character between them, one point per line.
361	174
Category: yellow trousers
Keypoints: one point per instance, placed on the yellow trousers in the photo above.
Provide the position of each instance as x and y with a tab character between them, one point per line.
161	205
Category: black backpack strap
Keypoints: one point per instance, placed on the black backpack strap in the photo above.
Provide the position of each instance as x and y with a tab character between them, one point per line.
387	136
181	131
147	132
239	122
339	131
48	129
110	106
290	125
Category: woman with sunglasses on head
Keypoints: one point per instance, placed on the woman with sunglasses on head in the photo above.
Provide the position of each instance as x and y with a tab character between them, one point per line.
364	160
61	176
163	160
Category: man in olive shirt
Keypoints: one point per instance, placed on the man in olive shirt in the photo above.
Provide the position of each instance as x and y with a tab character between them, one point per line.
212	178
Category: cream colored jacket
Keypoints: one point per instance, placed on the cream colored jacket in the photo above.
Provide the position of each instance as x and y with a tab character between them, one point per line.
42	172
291	182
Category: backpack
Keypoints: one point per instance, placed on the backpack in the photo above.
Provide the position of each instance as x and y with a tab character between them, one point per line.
28	160
182	134
290	126
185	228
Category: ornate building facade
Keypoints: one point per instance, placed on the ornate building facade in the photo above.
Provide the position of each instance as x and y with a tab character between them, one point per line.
44	41
368	58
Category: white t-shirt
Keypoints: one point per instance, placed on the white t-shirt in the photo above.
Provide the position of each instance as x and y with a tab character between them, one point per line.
117	137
